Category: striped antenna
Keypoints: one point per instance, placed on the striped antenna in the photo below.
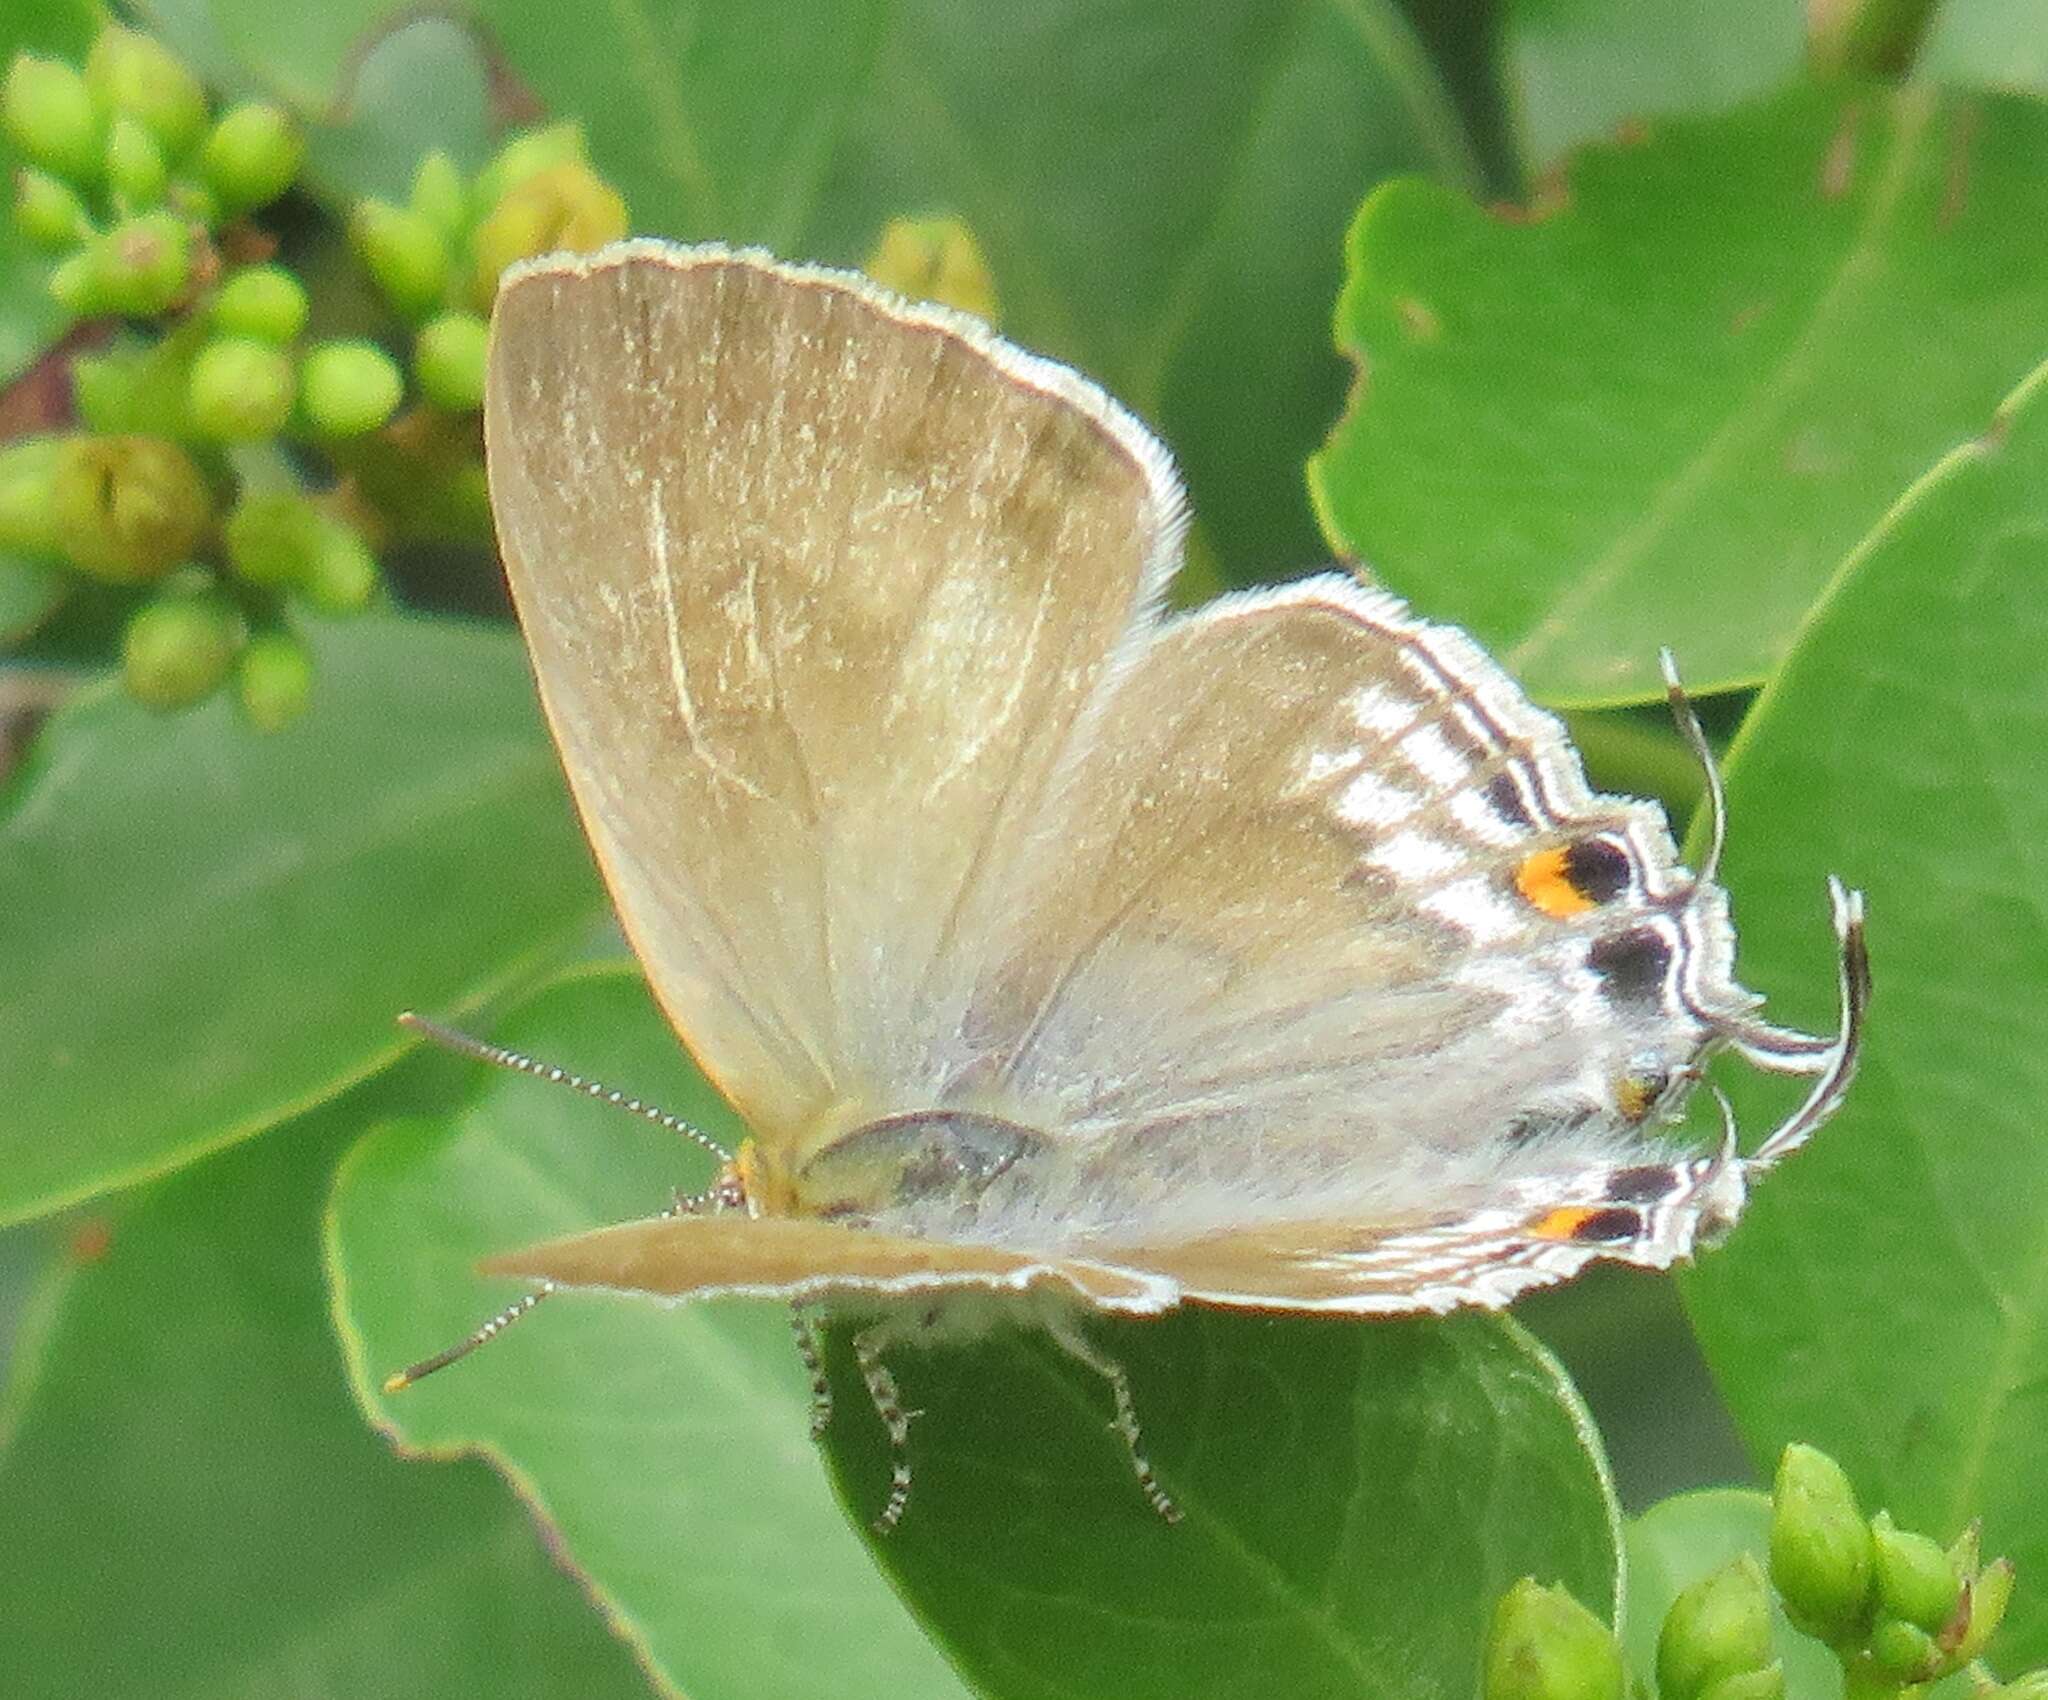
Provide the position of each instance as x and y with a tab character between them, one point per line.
683	1204
482	1337
498	1056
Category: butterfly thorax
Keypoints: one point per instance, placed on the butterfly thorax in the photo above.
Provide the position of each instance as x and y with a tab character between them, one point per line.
919	1158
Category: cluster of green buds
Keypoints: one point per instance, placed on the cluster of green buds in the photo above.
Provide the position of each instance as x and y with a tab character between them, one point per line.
436	259
201	421
1897	1609
127	173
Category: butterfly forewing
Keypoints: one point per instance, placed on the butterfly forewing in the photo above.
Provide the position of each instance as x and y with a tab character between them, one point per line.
815	590
803	1258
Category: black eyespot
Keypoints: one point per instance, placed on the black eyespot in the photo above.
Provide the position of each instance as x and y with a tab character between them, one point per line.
1644	1184
1597	869
1606	1227
1504	796
1632	964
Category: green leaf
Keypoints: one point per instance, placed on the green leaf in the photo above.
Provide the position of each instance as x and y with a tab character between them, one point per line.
668	1448
1622	1336
1677	1542
190	1505
2000	44
206	928
375	89
424	85
1581	68
1138	178
29	593
1662	412
1135	175
29	319
1887	1296
1355	1498
1463	42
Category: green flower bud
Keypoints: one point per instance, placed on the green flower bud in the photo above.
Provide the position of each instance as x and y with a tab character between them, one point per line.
1765	1684
1986	1597
404	253
448	360
350	388
275	537
1914	1578
48	211
934	259
439	197
526	155
178	649
1718	1627
274	680
240	390
1964	1556
251	155
194	202
28	494
48	114
127	509
1903	1652
143	266
1544	1645
264	302
75	284
135	75
1821	1556
342	578
567	206
140	386
135	164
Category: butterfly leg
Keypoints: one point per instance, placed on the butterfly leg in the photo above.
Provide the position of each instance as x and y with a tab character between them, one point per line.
814	1362
1075	1344
881	1385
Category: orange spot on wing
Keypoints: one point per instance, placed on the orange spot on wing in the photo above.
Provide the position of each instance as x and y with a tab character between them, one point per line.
1545	881
1564	1222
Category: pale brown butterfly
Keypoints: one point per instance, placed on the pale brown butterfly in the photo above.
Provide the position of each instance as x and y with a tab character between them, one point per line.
1063	955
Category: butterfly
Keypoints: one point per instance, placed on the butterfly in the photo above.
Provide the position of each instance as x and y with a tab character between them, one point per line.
1064	955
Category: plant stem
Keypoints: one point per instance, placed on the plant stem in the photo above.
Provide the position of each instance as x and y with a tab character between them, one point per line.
1867	37
1863	1681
